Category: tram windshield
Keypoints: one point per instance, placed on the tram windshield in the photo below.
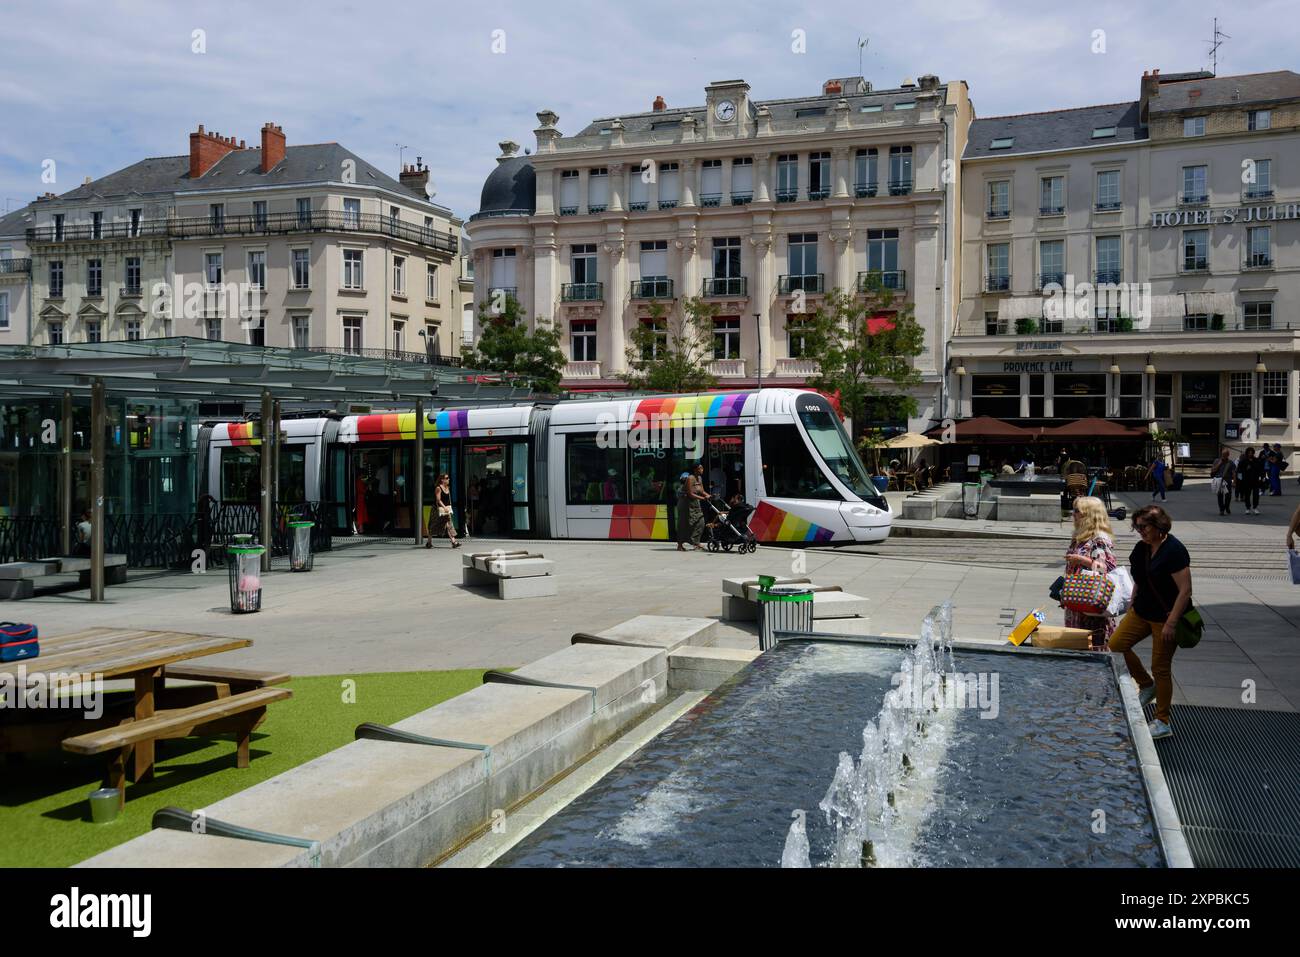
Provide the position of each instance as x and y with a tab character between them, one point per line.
832	443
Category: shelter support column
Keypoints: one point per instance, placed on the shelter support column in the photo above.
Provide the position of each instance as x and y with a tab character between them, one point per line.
267	428
65	477
417	471
97	425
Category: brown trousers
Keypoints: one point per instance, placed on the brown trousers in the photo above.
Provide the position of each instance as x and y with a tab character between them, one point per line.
1132	629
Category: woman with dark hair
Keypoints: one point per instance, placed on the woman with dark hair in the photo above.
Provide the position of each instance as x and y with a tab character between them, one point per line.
444	519
1250	473
1162	594
1225	470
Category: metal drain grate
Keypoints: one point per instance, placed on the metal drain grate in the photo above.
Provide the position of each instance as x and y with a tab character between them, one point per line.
1235	778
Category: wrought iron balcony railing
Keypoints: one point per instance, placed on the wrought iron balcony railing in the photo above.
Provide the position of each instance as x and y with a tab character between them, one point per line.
819	193
15	265
637	207
900	187
659	288
582	292
667	204
597	208
1051	210
568	210
812	282
1258	261
787	195
997	283
1192	264
998	214
1104	206
742	199
1187	198
1257	192
1108	277
710	199
132	290
1046	279
203	227
729	286
864	189
893	279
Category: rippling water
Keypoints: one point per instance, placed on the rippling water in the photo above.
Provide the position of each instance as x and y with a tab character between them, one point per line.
718	787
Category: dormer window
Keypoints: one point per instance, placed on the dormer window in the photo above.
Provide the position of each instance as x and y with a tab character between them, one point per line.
811	111
1002	143
907	105
1103	133
872	108
1194	126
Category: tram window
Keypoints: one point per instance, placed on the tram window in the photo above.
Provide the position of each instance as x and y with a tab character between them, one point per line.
293	473
655	474
596	475
833	445
241	479
789	469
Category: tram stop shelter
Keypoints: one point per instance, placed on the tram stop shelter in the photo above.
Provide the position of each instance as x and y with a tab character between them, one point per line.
113	424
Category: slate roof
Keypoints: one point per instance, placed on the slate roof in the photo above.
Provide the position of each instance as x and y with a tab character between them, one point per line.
1054	130
1225	91
15	223
302	166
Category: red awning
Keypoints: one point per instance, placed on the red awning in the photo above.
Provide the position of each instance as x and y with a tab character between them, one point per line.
1093	427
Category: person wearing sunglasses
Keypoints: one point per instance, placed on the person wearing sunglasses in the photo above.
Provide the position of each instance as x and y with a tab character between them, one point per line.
1162	594
1092	547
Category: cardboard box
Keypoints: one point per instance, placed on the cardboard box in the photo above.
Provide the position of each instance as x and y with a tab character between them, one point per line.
1055	636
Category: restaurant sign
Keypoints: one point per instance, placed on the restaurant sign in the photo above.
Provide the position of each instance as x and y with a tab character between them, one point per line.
1051	365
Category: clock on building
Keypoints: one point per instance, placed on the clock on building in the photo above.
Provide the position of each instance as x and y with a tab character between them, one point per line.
725	111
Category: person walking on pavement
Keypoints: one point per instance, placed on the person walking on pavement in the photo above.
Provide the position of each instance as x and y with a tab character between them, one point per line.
444	518
1250	473
1292	530
1162	594
1275	466
1225	471
1092	547
1157	474
690	511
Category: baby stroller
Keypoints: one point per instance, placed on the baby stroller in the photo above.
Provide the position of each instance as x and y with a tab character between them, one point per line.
728	527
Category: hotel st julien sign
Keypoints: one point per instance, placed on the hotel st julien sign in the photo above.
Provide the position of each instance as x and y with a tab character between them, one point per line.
1234	214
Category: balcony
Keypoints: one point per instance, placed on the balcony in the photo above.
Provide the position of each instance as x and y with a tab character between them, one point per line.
652	289
813	282
1051	210
1258	261
582	292
796	367
1187	198
1194	265
1118	326
8	266
998	214
582	369
1108	277
727	368
389	355
597	208
667	204
1253	194
787	195
637	207
568	210
131	291
997	284
1046	279
819	193
710	199
505	292
734	287
742	199
892	279
1108	206
862	190
203	227
900	187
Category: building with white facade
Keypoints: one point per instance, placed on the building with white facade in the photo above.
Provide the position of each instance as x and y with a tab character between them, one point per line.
758	206
15	276
293	246
1169	230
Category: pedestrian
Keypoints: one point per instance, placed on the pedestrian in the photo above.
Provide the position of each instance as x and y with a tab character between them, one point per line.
690	510
1292	530
1157	474
444	517
1162	594
1224	472
361	517
1275	466
1093	546
84	533
1250	473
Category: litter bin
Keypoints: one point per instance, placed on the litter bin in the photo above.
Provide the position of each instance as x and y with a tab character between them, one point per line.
783	608
245	578
300	556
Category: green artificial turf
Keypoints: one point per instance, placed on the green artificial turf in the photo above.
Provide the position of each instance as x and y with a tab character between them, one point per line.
45	813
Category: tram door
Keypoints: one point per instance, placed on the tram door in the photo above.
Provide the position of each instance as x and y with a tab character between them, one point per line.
724	462
440	457
487	491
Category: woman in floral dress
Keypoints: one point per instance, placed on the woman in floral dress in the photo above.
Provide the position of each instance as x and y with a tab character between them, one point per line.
1093	546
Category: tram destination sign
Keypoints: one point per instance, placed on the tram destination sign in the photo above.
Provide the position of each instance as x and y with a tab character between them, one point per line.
1224	217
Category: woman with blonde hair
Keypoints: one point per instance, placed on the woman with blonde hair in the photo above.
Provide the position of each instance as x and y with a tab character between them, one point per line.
1093	546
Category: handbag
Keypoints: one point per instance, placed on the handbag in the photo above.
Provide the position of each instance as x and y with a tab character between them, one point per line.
18	641
1087	592
1294	559
1216	484
1123	596
1190	628
1054	592
444	510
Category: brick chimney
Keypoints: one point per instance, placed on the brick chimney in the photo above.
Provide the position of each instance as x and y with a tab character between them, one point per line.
416	177
272	147
207	148
1149	90
659	104
832	88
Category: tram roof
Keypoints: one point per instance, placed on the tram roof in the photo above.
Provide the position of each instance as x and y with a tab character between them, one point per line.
200	369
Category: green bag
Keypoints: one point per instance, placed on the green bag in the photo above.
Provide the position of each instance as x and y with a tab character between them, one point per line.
1189	630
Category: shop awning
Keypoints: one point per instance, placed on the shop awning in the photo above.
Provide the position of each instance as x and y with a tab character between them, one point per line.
1093	427
985	428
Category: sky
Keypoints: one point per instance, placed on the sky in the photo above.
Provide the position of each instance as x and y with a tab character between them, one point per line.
97	86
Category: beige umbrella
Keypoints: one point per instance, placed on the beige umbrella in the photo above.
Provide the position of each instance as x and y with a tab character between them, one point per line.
911	440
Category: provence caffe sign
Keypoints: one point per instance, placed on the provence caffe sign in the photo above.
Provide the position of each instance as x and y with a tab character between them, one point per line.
1217	217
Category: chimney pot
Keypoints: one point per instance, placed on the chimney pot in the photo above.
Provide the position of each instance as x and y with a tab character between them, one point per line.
272	147
659	104
207	148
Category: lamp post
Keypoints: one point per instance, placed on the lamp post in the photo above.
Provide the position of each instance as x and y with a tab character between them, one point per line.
758	334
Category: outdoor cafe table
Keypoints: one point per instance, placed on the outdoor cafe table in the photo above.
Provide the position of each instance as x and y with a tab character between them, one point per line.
105	653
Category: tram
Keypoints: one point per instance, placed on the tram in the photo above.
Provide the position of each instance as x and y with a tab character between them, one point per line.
584	469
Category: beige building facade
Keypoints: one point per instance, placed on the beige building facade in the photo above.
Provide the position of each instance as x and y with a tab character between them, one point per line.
1138	261
758	207
15	277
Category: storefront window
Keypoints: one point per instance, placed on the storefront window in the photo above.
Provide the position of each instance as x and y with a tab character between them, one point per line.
996	395
1240	392
1130	395
1164	396
1079	395
1274	396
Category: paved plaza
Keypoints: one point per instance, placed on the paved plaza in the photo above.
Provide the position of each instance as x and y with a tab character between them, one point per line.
387	606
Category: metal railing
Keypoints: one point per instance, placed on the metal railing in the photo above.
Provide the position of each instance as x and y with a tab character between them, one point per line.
203	227
787	195
667	204
15	265
1108	206
1257	261
1051	210
997	214
390	355
1257	192
900	187
132	290
597	207
637	207
1116	326
819	193
864	189
812	282
997	283
511	292
1192	199
1108	276
582	291
742	199
652	289
893	279
1195	265
710	199
732	286
1048	278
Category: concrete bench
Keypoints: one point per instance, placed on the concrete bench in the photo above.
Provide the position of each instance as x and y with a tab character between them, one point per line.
740	599
17	579
514	575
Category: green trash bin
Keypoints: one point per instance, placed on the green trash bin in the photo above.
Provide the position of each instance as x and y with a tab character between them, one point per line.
245	563
300	554
783	608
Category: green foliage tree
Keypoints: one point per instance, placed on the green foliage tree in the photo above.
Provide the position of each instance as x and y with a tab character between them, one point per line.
871	370
671	353
506	345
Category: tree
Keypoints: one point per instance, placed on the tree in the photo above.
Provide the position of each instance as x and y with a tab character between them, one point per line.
864	347
672	353
505	345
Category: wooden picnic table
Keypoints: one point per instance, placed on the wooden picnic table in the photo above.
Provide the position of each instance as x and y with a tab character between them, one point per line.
108	653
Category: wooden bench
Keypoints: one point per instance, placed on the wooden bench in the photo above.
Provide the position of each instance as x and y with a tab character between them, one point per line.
17	579
239	714
514	574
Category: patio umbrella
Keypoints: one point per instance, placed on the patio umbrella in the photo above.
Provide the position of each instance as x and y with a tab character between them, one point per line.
985	428
911	440
1093	427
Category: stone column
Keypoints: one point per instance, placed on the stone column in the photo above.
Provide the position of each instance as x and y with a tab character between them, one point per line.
689	172
840	159
546	192
545	290
762	177
614	299
842	244
690	265
617	180
1293	404
760	295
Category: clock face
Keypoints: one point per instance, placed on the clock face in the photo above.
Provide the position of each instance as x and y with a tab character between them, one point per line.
725	111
